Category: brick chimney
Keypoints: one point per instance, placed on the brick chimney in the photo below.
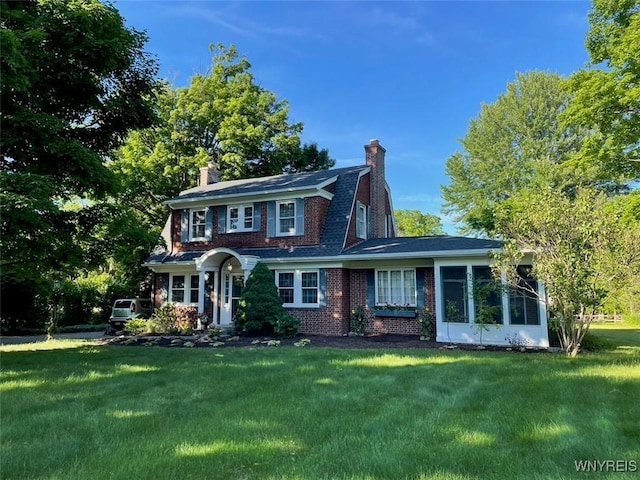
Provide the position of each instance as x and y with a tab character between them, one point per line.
374	155
208	175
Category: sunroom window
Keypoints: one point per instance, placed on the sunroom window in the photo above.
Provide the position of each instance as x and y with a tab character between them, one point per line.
454	294
523	303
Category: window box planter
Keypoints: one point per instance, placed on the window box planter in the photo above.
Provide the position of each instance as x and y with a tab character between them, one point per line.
395	313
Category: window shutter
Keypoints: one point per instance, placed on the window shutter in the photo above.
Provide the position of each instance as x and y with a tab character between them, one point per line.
322	288
163	280
222	219
271	219
369	223
299	216
371	288
420	293
358	219
184	226
257	216
208	228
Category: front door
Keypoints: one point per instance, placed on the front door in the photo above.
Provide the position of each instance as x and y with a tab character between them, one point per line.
232	284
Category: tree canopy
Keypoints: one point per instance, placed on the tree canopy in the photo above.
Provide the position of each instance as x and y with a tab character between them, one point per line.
224	119
581	246
413	223
607	95
69	96
513	144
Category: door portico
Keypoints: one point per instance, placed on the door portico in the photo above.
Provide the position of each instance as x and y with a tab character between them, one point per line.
222	273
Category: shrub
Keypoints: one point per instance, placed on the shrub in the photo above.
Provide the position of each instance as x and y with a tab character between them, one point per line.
593	343
358	320
425	320
286	325
136	326
261	307
173	319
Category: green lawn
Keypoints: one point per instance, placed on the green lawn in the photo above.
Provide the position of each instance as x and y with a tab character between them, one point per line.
83	411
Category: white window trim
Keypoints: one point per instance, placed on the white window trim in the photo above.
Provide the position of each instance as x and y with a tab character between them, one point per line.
187	288
191	224
390	269
292	231
361	220
241	218
297	288
506	314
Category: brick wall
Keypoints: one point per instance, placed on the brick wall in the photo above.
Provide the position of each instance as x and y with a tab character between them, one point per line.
403	326
375	157
315	214
334	319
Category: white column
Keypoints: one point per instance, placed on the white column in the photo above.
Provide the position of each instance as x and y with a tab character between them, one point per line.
201	290
216	292
504	283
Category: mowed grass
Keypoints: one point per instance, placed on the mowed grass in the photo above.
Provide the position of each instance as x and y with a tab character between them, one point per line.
83	411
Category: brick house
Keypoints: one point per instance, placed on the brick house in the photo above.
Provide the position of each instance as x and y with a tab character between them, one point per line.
330	239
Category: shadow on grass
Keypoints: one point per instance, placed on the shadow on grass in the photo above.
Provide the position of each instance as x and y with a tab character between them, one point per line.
317	413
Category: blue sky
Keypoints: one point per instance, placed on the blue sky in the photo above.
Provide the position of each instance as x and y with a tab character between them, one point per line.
412	74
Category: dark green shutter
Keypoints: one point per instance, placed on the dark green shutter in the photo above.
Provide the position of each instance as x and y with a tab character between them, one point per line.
222	219
163	281
271	219
257	216
184	226
371	288
420	293
208	229
299	216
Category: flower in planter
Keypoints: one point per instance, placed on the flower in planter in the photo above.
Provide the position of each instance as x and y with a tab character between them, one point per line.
395	307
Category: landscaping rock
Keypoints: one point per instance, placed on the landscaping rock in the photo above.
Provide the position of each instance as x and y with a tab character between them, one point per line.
189	344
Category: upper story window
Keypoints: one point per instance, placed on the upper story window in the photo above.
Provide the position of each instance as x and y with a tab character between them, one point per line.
240	218
361	221
396	287
197	224
286	218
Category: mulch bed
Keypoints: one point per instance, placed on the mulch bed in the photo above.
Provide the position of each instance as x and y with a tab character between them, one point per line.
382	341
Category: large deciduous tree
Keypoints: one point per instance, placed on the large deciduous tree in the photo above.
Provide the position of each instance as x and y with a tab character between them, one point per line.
580	247
224	119
413	223
75	81
513	144
607	95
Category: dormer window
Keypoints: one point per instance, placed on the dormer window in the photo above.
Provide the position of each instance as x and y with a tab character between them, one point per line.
286	218
197	224
240	218
361	221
